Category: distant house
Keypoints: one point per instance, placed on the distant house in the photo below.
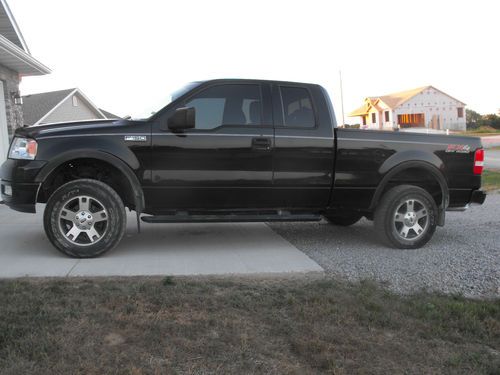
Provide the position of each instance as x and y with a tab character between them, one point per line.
59	106
423	107
15	62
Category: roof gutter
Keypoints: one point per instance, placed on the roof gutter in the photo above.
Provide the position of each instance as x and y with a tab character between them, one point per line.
10	48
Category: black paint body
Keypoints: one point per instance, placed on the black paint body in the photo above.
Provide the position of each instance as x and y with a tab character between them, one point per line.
257	168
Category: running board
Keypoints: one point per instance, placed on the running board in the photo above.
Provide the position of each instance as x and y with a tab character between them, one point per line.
229	218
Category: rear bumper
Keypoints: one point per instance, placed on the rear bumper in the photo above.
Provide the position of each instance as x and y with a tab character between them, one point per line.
19	196
477	197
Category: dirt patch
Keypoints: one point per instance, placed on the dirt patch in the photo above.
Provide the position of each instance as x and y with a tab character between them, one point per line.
113	339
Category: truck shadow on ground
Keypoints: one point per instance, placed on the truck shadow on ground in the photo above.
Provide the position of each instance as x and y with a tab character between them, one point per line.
156	239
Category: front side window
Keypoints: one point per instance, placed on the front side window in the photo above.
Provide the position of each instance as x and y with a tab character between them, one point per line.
374	118
227	105
297	107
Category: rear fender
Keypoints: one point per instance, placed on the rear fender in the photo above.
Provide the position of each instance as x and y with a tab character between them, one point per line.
431	163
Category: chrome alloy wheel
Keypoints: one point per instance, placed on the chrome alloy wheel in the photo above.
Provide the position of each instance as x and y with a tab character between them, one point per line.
83	220
411	219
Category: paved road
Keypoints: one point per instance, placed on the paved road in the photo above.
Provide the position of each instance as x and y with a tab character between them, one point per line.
492	159
491	141
463	257
161	249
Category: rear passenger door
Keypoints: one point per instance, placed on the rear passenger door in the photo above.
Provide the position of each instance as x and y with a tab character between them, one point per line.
303	158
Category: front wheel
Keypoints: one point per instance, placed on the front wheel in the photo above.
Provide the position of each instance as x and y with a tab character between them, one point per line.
84	218
406	217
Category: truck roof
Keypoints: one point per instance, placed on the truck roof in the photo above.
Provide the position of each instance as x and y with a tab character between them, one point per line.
256	81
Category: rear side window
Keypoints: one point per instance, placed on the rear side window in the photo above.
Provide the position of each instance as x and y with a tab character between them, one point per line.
230	104
297	107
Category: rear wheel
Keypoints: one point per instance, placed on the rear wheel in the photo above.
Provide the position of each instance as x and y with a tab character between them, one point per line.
406	217
344	220
84	218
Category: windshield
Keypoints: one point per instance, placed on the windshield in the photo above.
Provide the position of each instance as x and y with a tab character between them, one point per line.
164	101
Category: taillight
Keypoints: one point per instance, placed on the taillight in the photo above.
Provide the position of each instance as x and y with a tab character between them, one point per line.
478	161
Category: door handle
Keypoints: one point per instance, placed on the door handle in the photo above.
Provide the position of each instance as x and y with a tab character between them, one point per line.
261	144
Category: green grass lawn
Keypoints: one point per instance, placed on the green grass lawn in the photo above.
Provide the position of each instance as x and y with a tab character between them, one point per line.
491	180
481	132
240	326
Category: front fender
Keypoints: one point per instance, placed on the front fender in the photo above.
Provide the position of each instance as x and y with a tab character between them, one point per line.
120	164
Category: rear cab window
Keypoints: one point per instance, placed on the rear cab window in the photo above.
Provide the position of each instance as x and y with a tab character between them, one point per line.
297	107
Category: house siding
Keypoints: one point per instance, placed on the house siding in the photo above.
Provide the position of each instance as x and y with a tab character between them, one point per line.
13	112
67	112
433	103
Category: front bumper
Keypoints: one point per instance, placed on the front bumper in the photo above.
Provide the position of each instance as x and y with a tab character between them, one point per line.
477	197
20	197
18	185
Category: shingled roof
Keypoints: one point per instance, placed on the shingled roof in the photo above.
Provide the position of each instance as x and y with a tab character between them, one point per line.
36	106
9	28
109	114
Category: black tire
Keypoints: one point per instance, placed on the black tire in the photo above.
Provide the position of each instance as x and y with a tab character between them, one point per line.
395	217
345	220
106	218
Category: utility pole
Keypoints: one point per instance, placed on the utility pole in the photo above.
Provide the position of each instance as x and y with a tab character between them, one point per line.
341	97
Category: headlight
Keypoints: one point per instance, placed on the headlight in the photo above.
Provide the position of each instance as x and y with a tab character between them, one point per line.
23	148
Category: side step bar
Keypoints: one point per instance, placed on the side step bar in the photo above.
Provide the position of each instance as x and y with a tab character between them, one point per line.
229	218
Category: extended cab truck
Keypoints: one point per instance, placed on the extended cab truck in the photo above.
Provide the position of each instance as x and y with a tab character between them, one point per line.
237	150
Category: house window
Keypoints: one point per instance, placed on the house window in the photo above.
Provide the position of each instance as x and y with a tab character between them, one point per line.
386	114
460	112
364	120
75	101
374	118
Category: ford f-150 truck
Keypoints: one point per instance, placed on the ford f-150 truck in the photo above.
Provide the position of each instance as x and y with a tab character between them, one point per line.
237	150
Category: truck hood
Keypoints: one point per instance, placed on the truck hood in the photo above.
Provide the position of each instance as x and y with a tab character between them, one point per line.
74	127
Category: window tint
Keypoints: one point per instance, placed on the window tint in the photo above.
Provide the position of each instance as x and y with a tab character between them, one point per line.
227	105
297	107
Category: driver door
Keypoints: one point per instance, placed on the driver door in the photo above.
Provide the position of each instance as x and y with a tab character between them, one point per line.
225	162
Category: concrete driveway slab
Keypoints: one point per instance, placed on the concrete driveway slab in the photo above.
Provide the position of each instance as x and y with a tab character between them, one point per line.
161	249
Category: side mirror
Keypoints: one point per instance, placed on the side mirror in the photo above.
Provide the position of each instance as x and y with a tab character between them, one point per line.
183	118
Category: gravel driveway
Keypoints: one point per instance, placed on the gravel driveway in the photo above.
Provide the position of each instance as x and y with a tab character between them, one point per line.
463	257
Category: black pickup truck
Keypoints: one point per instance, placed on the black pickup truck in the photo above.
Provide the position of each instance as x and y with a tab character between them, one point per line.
237	150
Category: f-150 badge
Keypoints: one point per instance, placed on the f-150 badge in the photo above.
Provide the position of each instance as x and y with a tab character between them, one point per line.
461	149
136	138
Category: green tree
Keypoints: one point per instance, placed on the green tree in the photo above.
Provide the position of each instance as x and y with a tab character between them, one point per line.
472	119
491	120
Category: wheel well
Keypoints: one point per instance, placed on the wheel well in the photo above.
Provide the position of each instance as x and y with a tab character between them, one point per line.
88	168
416	176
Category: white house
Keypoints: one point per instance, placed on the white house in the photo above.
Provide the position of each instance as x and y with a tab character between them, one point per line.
423	107
59	106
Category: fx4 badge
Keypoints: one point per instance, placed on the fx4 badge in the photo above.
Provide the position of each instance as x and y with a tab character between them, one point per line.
136	138
461	149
